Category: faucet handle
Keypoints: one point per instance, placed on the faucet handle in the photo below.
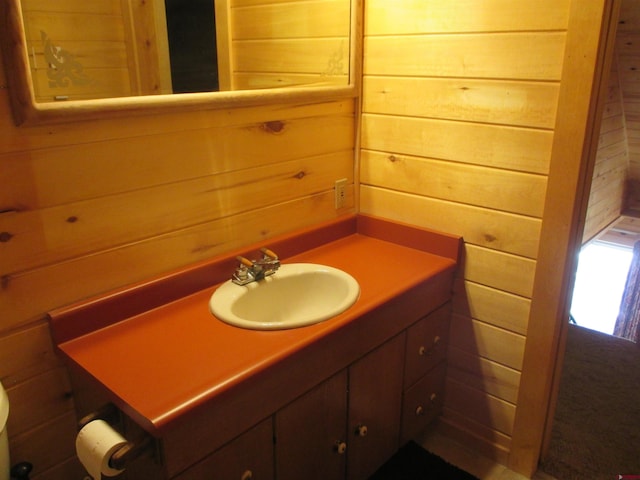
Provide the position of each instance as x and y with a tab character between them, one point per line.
269	253
244	261
242	274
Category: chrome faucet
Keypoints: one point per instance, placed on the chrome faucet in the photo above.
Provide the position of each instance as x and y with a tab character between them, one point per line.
249	271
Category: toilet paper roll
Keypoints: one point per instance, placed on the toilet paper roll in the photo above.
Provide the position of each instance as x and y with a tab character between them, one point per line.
95	443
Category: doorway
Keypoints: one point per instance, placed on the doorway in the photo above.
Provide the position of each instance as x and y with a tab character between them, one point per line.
600	280
191	30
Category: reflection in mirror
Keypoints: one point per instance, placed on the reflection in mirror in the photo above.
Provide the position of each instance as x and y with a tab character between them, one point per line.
80	49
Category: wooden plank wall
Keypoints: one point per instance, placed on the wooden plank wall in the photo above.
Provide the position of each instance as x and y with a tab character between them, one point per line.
114	43
94	33
87	207
628	47
612	163
456	136
278	43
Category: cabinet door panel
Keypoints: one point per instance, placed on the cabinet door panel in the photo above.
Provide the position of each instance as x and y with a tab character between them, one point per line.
375	401
307	431
250	456
427	344
422	403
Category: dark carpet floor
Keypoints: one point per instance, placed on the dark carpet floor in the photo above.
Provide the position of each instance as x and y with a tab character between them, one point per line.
596	431
412	462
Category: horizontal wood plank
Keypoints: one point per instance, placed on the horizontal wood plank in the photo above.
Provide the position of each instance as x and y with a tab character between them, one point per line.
328	56
492	188
487	341
26	353
527	104
511	148
112	7
480	407
479	226
513	56
492	306
38	400
485	440
64	27
499	270
322	18
48	445
436	16
483	374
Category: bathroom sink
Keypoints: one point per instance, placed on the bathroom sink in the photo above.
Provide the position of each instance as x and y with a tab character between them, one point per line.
297	295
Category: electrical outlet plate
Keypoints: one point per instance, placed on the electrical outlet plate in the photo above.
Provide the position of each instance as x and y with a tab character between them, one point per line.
340	192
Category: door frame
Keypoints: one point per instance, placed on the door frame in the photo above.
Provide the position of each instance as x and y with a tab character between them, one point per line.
587	63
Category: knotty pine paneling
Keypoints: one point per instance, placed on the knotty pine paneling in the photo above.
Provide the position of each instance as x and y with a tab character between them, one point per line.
528	104
628	72
116	43
493	188
457	133
434	16
479	407
277	44
26	353
490	442
499	146
510	56
487	341
96	38
88	207
50	441
515	234
65	282
78	228
480	373
487	304
606	197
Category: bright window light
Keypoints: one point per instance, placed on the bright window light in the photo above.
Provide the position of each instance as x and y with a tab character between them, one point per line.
600	279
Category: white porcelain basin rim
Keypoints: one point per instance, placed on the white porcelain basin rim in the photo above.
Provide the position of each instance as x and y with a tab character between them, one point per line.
297	295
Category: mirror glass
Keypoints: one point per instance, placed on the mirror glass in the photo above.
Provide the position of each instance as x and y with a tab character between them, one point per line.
99	49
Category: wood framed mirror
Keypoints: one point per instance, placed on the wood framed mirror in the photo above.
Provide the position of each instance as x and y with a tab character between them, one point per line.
74	60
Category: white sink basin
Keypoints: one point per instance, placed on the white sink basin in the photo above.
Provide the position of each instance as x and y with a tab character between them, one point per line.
297	295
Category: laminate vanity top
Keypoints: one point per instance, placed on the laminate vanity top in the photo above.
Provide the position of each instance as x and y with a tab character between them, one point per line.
161	362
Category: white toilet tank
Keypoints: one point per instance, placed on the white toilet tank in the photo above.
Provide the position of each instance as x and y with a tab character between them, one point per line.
4	441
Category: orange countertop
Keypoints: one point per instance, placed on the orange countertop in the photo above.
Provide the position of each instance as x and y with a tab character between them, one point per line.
160	364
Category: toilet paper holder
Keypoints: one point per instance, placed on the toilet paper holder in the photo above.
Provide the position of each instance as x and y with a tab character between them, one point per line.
129	451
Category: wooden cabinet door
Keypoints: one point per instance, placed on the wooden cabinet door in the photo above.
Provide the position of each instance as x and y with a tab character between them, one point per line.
248	457
311	433
427	343
423	403
375	402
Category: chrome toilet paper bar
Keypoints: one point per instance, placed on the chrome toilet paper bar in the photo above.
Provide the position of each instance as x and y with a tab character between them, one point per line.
129	452
108	412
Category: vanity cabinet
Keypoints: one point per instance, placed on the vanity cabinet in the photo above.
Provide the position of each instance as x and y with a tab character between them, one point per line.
331	400
348	425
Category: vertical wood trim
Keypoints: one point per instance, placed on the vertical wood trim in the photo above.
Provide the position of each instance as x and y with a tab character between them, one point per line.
589	47
133	62
223	45
356	77
16	62
162	46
